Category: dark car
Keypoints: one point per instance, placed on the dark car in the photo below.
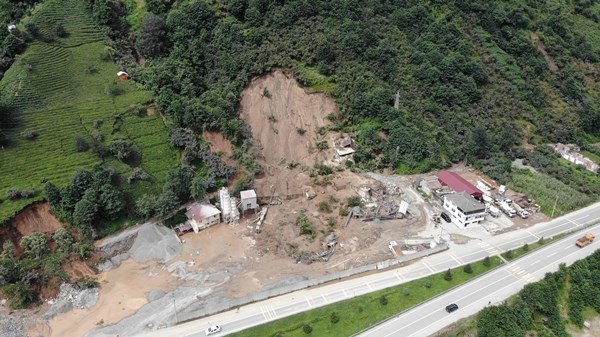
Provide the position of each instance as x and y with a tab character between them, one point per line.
451	307
446	217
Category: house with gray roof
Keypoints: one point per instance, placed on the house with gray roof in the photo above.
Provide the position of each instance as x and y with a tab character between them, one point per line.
463	209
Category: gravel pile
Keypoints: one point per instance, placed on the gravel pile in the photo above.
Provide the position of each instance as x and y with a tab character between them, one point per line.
12	324
70	297
155	242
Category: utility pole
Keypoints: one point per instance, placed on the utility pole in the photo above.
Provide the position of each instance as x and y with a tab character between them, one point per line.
553	208
175	307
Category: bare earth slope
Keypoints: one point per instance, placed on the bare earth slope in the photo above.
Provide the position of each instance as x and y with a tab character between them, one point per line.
276	117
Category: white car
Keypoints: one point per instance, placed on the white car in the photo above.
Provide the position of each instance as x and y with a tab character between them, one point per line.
213	329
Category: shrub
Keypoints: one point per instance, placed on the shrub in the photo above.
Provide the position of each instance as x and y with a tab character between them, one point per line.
405	292
121	148
323	169
137	174
306	226
427	284
97	135
509	254
34	245
266	93
354	201
60	31
63	239
448	275
324	207
468	269
487	262
14	193
80	144
301	131
383	300
137	109
526	247
334	318
29	134
307	329
272	118
541	241
97	123
322	145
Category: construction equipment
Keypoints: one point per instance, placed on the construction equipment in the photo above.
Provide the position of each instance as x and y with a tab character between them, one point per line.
585	240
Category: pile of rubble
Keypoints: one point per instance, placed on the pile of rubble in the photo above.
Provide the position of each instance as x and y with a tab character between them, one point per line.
70	297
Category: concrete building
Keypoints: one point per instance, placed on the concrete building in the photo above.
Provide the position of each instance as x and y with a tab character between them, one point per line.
463	209
201	216
248	200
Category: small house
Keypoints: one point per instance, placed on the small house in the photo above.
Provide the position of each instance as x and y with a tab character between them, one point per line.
123	76
248	200
201	216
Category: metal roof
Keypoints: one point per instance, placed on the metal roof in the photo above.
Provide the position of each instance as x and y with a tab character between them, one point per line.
458	183
248	194
200	212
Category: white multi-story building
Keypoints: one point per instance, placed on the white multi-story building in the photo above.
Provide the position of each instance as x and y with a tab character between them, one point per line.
463	209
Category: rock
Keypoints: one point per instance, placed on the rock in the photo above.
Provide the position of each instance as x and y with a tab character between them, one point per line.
155	295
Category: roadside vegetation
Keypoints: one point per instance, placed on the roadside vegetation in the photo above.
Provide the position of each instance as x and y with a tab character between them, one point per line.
353	315
554	306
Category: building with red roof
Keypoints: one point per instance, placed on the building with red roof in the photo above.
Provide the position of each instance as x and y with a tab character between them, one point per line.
458	183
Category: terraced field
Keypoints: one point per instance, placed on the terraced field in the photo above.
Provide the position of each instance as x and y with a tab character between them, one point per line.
58	88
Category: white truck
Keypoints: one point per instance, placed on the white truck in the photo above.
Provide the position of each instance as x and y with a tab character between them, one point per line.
493	211
523	213
507	209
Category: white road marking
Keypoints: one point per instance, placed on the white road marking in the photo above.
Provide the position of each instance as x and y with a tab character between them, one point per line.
274	313
345	293
324	298
552	254
308	301
428	267
456	259
399	277
535	262
535	236
369	285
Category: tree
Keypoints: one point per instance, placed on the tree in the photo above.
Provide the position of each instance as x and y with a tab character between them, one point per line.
34	245
8	250
526	247
153	40
80	144
111	201
85	212
334	318
479	143
468	269
307	328
405	292
166	202
146	205
121	148
383	300
63	239
448	275
487	262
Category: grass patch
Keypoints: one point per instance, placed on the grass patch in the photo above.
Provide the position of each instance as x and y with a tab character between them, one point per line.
364	311
591	155
517	253
545	189
59	89
310	77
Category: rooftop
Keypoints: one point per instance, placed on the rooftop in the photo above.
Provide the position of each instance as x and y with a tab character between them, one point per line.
248	194
465	202
458	183
201	211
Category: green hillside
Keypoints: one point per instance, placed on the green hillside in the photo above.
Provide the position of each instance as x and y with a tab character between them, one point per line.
66	87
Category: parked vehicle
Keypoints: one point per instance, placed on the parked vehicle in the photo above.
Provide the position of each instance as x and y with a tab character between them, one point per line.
446	217
451	307
494	211
508	210
585	240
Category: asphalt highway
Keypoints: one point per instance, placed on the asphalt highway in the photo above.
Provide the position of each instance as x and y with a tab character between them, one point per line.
430	316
